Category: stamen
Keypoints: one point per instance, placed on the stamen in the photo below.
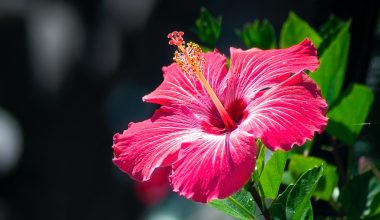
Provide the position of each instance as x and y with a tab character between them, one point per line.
193	53
191	61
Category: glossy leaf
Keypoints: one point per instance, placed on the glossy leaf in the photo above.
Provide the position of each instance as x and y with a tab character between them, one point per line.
348	116
208	28
271	176
333	63
258	35
240	205
294	202
278	207
299	197
299	164
296	30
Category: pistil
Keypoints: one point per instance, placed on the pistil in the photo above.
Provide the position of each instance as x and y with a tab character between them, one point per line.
191	61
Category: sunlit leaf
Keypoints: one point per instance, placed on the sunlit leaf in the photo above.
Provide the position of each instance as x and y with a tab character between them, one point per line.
299	164
308	213
258	35
240	205
296	30
271	176
333	63
348	116
260	158
208	28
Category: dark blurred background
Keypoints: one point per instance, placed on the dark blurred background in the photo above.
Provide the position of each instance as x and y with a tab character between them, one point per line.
72	73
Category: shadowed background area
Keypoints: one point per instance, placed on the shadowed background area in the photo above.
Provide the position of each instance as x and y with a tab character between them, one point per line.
72	73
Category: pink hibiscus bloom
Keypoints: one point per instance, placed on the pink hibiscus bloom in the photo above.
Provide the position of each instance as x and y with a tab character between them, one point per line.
210	118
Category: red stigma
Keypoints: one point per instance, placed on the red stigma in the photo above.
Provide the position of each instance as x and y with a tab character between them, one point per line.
175	38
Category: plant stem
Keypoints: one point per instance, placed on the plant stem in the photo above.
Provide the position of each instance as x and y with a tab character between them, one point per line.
258	200
261	191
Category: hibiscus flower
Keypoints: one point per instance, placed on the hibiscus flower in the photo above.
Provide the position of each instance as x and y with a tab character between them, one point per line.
210	118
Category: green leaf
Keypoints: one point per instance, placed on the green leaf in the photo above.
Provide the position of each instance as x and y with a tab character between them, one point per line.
300	164
294	202
287	179
374	217
375	205
240	205
373	197
258	35
208	28
358	195
271	176
260	158
329	30
278	207
348	115
299	197
296	30
333	63
308	214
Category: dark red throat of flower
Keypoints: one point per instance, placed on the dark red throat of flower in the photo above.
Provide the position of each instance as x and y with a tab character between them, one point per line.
190	59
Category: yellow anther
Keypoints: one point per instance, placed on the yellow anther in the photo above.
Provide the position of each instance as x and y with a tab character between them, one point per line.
191	61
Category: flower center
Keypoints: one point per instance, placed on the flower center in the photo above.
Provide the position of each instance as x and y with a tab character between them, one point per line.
191	61
238	113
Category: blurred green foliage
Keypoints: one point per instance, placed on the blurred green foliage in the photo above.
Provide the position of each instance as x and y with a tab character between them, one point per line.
360	197
208	28
258	35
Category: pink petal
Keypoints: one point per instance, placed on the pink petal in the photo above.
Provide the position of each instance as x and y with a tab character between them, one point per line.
153	143
254	70
214	166
181	89
288	113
